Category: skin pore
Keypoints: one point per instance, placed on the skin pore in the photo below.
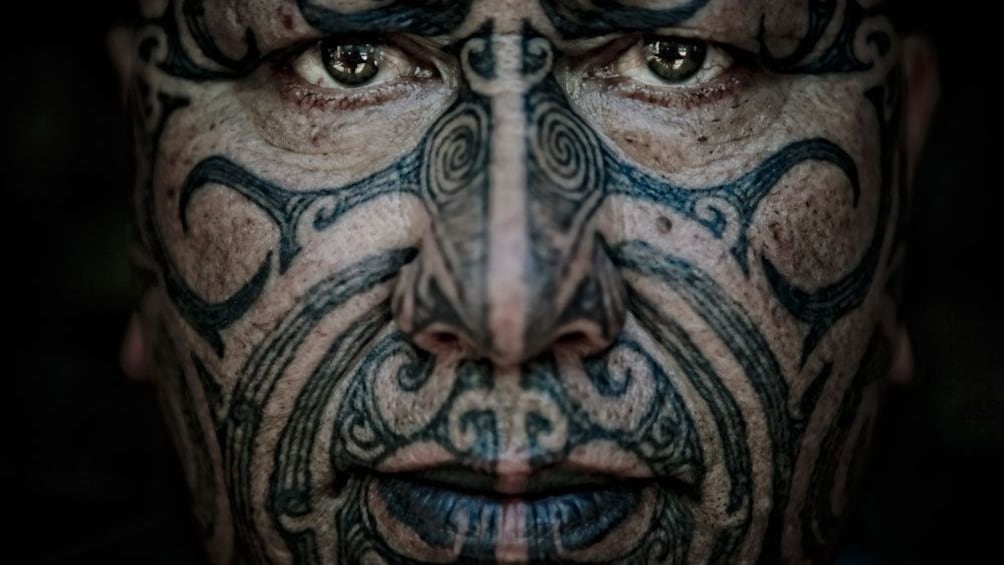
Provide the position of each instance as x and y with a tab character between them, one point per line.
521	281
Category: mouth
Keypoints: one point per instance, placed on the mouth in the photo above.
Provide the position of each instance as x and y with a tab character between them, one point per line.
554	514
547	482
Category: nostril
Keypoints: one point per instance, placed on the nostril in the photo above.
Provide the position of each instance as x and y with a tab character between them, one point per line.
440	341
579	342
572	339
445	339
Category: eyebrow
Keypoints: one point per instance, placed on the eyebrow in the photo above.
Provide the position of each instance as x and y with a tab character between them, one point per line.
573	21
428	18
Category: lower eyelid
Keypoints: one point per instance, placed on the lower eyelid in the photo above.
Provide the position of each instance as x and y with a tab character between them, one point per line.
686	97
299	93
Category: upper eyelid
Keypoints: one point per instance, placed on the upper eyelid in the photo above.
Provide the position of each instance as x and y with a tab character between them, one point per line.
580	56
407	44
730	48
286	55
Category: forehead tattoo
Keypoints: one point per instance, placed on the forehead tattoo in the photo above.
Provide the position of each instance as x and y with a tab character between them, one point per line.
507	293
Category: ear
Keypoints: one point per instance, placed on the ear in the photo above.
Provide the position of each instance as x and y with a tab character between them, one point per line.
134	355
920	65
902	368
120	44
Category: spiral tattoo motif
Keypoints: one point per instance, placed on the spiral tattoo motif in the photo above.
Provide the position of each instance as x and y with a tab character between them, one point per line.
457	153
565	148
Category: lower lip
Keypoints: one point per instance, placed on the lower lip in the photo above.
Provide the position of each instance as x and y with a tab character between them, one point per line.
488	527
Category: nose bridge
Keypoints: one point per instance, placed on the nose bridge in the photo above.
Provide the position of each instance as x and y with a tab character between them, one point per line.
513	179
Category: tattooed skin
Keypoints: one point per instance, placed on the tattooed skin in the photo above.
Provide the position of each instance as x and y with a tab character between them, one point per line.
519	281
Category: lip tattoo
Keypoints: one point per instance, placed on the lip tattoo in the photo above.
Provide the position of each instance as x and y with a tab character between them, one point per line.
527	281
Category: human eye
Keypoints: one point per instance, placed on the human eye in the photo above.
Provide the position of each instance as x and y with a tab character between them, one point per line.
319	95
671	69
357	63
675	61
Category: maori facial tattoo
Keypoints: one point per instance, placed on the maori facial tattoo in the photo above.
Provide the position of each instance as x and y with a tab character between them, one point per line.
518	281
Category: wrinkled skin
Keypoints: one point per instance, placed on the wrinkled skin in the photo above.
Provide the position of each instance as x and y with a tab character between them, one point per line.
516	298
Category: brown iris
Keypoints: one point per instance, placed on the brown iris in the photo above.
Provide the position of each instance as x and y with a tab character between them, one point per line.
352	62
675	59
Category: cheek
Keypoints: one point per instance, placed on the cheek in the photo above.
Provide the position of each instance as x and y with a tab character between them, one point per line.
808	222
266	210
810	227
813	226
806	228
690	134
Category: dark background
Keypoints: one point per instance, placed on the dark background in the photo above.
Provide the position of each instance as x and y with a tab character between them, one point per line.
87	465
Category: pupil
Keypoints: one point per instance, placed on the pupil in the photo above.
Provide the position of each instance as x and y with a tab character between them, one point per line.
675	60
350	62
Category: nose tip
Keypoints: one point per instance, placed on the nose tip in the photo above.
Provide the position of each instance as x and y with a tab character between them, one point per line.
580	316
575	338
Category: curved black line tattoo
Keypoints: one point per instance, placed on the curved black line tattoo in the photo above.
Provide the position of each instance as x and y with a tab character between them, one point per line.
849	430
285	207
435	17
263	369
211	389
181	408
750	349
728	210
293	487
572	21
177	62
840	56
822	307
204	316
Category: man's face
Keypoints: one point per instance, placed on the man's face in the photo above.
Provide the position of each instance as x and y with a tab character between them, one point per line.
525	280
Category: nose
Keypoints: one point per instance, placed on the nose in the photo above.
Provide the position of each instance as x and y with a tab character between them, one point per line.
512	262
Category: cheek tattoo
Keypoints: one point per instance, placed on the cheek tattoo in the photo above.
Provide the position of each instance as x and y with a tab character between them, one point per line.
520	389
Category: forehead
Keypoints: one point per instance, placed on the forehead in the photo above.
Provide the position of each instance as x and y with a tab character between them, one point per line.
277	22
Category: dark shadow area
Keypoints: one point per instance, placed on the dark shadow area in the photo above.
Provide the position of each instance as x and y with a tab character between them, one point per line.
89	466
